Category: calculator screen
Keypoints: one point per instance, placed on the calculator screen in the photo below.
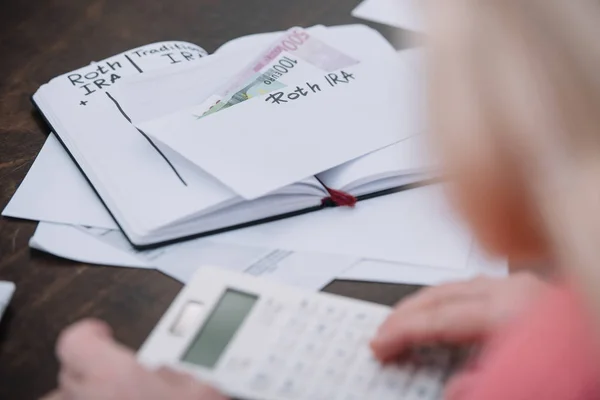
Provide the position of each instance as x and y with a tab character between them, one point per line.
219	328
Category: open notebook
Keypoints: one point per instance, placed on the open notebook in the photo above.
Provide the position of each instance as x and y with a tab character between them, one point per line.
156	195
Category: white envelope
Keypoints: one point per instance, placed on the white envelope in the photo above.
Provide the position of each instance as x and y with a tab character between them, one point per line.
272	141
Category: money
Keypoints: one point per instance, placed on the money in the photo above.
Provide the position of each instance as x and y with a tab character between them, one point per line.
264	74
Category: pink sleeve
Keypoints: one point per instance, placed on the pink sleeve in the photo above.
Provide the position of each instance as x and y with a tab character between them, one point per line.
550	354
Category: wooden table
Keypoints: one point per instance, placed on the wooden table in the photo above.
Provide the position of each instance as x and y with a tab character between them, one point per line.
44	38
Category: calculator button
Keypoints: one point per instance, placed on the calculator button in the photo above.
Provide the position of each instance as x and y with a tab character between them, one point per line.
423	387
308	307
422	393
367	370
261	381
313	350
379	317
237	364
334	375
323	391
286	342
349	337
295	325
342	356
322	331
432	373
360	381
269	313
369	322
352	396
392	381
371	364
290	388
274	362
360	318
273	304
365	355
332	314
300	369
397	375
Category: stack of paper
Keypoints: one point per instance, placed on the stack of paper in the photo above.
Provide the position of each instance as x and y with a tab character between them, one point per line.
209	147
176	143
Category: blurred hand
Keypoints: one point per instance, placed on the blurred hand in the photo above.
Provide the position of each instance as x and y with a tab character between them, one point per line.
95	367
456	313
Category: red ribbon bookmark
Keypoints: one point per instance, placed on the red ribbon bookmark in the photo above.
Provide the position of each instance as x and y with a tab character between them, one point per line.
339	198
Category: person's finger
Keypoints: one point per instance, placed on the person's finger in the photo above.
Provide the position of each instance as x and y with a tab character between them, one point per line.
80	331
434	297
73	388
188	384
454	323
87	348
205	392
459	386
171	376
91	326
68	379
451	291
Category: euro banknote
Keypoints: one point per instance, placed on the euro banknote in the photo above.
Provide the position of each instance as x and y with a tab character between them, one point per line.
279	61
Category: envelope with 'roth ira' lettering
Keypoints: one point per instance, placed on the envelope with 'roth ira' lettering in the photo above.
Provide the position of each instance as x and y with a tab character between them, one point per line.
320	121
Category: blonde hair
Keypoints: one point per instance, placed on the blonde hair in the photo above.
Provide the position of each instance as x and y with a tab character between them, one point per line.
515	88
526	71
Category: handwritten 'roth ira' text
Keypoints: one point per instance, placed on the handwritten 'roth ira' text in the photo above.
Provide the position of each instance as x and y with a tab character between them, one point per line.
333	79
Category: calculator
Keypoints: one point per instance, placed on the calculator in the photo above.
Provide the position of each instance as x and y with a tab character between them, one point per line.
255	339
6	292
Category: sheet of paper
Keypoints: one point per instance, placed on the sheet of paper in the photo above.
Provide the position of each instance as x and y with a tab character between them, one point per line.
307	270
55	190
395	272
70	242
310	271
411	228
415	227
405	14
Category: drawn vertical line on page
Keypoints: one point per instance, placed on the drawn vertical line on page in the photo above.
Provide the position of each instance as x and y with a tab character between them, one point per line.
146	137
134	64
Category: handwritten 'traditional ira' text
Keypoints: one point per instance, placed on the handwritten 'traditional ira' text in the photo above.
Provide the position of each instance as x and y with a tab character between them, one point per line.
175	52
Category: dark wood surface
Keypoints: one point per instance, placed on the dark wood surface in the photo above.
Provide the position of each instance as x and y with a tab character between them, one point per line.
41	39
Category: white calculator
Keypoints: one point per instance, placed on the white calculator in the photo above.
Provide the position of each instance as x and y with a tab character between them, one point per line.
6	292
256	339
